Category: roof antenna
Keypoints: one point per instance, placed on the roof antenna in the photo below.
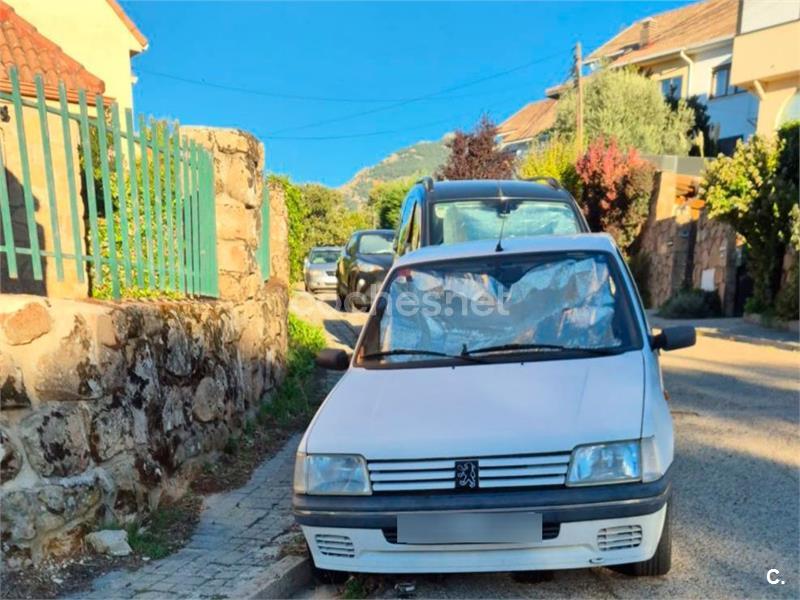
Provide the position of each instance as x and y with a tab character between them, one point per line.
504	217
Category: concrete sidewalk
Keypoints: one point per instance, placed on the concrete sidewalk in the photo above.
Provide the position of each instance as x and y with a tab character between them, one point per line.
236	542
735	329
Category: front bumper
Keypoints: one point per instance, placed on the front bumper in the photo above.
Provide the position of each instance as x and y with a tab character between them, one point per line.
356	533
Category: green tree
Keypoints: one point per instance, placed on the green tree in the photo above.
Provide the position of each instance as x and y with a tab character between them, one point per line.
755	190
385	199
317	217
628	106
475	155
554	158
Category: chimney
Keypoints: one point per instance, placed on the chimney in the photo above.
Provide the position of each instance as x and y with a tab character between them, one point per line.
646	33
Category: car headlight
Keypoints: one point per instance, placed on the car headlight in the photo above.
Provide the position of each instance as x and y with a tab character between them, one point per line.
616	462
331	474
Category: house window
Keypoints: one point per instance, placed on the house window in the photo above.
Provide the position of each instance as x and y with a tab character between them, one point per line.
721	82
672	87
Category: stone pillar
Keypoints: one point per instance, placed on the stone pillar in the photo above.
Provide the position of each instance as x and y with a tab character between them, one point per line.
238	159
278	234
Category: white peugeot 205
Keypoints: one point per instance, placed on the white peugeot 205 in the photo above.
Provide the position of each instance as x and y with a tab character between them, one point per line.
503	411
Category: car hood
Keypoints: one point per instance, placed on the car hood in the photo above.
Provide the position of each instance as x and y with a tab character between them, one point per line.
384	260
481	410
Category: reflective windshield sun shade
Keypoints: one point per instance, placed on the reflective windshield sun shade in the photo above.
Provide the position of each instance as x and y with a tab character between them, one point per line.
468	220
574	301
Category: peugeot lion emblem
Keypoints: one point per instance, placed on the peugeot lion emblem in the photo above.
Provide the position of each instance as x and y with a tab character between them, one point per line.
466	475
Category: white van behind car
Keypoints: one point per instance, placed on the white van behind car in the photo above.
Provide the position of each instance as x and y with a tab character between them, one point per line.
503	410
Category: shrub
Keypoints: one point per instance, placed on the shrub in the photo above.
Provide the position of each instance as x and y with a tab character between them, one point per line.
616	189
755	191
385	199
691	304
553	158
629	106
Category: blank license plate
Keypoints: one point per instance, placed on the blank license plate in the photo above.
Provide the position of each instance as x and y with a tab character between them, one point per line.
469	528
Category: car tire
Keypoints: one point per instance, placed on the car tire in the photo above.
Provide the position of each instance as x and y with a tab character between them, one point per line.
661	562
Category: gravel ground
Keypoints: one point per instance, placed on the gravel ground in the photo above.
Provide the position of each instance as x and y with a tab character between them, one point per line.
737	492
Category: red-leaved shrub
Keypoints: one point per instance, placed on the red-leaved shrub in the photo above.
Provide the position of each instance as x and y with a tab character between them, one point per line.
617	185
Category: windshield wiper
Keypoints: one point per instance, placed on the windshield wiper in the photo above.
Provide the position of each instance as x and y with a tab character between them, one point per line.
539	348
412	351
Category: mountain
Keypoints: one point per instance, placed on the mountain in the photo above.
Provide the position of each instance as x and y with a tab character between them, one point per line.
423	158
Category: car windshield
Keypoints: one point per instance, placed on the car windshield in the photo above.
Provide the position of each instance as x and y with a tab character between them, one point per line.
498	308
467	220
375	243
321	257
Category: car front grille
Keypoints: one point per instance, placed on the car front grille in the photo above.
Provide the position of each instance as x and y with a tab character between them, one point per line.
335	545
330	273
493	472
617	538
550	531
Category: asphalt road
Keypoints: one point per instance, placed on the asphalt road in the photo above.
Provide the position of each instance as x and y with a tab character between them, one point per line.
737	491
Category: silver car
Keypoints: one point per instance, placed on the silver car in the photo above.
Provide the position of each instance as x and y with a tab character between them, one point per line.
319	268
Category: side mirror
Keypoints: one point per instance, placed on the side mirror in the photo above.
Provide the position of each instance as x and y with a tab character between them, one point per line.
673	338
333	359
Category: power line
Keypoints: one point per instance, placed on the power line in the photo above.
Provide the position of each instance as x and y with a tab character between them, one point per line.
346	136
267	94
280	95
417	98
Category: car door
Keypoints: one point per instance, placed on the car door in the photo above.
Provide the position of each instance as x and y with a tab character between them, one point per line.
343	266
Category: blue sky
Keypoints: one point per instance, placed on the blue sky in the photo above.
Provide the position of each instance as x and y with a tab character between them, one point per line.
383	75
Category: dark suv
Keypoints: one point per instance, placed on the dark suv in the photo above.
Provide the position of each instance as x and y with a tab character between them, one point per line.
448	212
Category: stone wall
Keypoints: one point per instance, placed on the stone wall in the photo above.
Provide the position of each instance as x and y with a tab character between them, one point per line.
715	255
667	240
106	407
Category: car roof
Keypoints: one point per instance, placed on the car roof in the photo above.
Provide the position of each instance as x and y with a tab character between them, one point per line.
580	242
495	188
325	248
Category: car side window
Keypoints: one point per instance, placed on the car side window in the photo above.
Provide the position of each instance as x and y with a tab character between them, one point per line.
405	218
416	225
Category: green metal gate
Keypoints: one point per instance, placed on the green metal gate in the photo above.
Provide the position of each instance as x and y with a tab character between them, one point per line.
148	226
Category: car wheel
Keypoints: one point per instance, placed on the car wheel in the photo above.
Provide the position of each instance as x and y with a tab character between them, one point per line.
661	562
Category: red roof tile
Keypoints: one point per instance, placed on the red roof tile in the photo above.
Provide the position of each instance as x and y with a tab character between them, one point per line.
683	27
21	45
531	120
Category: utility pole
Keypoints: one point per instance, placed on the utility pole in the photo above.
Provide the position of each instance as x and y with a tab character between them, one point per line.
578	99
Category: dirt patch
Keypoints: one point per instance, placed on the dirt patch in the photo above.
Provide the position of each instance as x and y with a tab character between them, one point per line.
161	533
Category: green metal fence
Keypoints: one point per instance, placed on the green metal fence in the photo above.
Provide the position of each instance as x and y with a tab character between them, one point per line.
138	206
262	253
